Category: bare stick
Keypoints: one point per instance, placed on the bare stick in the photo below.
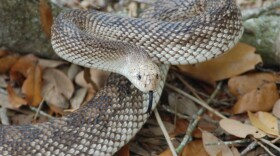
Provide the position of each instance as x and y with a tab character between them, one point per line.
270	144
4	117
249	148
196	118
264	147
165	133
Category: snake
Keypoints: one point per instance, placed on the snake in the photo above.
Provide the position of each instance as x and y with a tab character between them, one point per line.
138	52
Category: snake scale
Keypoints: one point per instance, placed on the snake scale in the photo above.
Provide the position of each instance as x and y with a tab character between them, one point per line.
169	32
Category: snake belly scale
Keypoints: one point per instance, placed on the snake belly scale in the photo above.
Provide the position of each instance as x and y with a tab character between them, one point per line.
169	32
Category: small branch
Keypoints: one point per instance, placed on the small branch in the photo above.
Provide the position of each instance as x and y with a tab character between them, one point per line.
250	147
257	12
165	133
196	118
270	144
39	109
41	112
264	147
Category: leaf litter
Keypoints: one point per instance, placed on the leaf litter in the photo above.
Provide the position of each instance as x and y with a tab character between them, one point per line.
27	80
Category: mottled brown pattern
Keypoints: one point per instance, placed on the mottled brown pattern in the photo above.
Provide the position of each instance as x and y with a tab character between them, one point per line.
166	33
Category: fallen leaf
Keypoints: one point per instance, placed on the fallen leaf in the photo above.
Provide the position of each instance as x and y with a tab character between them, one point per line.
265	122
240	85
260	99
4	52
50	63
182	104
239	129
194	148
213	146
235	152
7	62
73	71
238	60
276	109
97	77
46	17
14	99
124	151
57	89
63	84
19	70
78	98
32	86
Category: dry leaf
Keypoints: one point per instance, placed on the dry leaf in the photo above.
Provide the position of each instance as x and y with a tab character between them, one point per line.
260	99
239	129
46	17
235	151
124	151
73	71
243	84
194	148
97	77
182	104
276	109
50	63
213	146
7	62
14	99
265	122
19	70
32	86
238	60
78	98
57	89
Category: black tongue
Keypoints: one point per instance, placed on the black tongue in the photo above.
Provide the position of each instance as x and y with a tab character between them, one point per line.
151	96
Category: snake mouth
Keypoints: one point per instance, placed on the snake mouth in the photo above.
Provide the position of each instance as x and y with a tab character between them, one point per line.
151	96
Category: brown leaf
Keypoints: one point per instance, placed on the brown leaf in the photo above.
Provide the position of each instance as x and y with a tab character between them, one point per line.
239	129
50	63
97	78
19	70
238	60
243	84
276	109
213	146
14	99
46	17
194	148
260	99
32	86
57	89
265	122
124	151
78	98
7	62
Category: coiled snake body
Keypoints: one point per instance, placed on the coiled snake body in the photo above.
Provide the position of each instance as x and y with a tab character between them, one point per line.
170	32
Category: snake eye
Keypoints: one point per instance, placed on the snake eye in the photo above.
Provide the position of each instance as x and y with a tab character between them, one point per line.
139	77
157	76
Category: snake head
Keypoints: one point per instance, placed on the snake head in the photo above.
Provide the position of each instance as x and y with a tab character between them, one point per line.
144	76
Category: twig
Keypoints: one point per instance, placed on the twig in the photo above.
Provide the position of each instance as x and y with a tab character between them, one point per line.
41	112
39	108
270	144
235	142
196	118
257	12
249	148
165	133
264	147
202	103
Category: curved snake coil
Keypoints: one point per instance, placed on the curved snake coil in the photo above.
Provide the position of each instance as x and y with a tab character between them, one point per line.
170	32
